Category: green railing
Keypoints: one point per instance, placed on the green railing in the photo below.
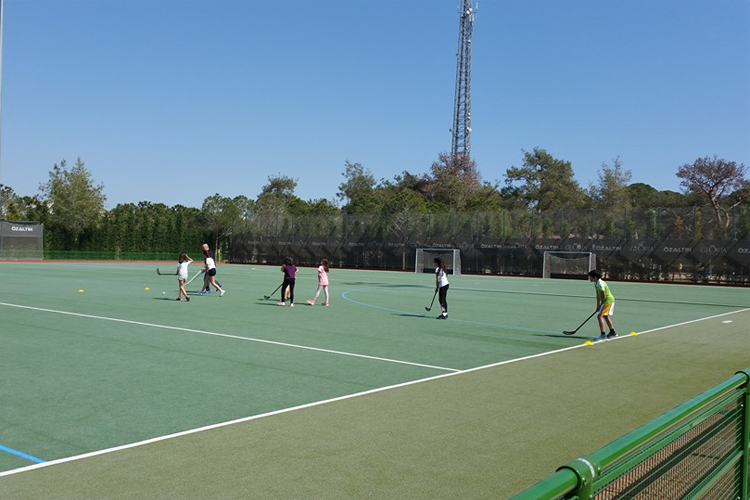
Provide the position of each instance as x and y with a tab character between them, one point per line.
698	450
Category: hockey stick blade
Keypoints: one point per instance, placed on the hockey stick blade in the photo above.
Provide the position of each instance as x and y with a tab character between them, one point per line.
267	297
568	332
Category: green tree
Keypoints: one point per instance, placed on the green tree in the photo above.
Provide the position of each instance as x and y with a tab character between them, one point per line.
9	209
641	195
221	216
280	186
21	208
715	179
612	189
454	178
544	182
76	203
357	190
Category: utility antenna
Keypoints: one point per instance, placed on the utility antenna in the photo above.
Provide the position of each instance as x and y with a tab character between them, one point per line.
462	106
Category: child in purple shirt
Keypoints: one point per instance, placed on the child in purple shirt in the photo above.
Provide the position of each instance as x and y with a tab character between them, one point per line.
290	273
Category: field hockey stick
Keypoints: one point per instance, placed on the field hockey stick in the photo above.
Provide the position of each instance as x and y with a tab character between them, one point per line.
566	332
191	279
433	301
162	273
269	296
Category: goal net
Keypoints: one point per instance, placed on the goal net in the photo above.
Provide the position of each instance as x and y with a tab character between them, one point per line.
21	240
425	260
568	264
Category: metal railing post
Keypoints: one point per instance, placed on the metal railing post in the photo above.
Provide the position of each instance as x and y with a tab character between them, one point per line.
745	463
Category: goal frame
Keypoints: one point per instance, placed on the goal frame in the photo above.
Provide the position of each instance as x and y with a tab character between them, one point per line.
547	271
452	262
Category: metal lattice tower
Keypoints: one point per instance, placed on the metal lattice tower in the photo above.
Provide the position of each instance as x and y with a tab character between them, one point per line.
462	106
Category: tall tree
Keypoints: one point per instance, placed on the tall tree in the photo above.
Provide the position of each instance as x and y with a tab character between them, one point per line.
21	208
221	216
280	186
454	178
715	179
544	182
357	190
612	190
76	203
9	206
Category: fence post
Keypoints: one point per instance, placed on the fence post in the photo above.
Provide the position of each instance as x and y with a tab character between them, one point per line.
586	472
745	474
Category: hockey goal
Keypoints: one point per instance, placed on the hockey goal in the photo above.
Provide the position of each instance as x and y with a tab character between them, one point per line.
559	264
424	261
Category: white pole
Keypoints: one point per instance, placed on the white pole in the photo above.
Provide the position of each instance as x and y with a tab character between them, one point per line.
1	91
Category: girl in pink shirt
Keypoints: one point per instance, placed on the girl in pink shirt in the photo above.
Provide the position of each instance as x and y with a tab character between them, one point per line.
322	282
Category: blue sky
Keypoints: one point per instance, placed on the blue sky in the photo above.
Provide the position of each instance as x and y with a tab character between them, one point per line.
173	101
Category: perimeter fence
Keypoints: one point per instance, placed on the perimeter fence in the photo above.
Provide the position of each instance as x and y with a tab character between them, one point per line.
698	450
664	244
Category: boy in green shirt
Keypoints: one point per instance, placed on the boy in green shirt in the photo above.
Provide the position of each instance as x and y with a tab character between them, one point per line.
605	304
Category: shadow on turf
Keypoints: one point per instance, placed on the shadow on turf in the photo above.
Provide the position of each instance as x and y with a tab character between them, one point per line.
413	315
562	336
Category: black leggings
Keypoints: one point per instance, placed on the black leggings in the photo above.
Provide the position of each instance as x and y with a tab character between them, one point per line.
443	298
288	283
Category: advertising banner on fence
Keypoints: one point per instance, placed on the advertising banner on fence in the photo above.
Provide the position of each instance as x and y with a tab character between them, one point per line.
20	229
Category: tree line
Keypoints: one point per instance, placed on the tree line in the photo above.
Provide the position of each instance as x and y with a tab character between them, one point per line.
72	205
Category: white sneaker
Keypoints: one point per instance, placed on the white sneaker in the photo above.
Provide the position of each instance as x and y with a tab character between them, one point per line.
281	304
291	305
221	294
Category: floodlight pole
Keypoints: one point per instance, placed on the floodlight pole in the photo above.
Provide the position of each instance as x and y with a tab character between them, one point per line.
1	95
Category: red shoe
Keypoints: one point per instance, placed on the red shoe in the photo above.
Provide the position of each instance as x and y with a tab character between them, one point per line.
311	302
325	304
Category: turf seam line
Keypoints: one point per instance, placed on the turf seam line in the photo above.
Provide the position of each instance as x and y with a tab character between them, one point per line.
236	337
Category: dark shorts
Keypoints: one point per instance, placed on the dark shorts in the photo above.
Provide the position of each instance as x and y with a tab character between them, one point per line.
212	272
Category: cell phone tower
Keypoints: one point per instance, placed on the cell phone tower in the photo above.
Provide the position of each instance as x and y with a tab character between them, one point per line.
462	106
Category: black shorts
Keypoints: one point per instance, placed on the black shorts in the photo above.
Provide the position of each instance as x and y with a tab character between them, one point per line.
212	272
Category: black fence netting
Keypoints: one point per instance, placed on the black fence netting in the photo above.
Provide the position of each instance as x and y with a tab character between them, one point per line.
681	244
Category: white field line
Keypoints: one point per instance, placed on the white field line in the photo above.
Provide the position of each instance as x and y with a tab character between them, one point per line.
236	337
687	323
320	403
270	414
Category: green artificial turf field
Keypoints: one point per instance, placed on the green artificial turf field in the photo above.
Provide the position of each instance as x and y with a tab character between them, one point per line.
112	389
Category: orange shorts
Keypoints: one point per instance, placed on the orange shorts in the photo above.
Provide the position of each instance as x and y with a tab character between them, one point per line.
607	309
